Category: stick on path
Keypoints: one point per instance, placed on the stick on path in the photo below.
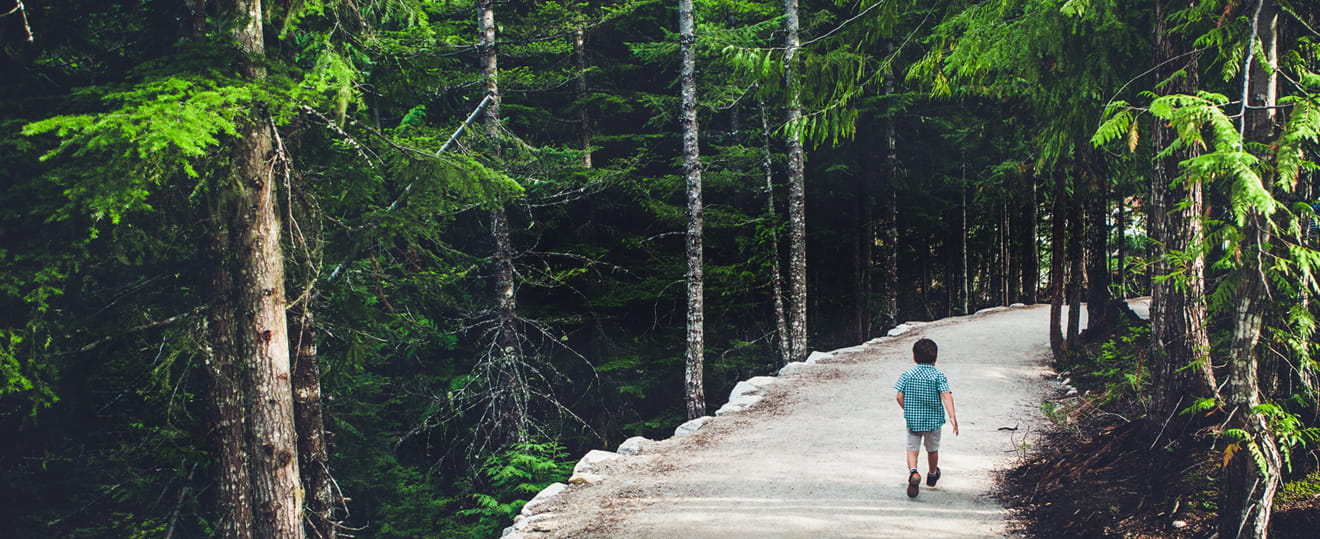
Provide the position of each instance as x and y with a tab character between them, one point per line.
822	454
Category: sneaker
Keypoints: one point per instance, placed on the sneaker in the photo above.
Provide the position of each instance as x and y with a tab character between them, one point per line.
932	477
914	484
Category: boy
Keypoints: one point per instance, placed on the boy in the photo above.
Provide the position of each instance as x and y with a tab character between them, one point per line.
923	394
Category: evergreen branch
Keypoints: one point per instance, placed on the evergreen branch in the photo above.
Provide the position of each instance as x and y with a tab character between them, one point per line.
135	329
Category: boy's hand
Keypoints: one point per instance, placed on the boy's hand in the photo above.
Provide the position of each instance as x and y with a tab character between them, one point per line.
955	426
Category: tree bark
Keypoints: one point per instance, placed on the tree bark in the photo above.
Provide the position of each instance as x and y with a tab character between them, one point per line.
889	234
1075	276
509	398
580	87
1247	493
797	206
695	363
1099	310
1058	258
313	448
1179	337
776	274
261	328
1030	249
229	466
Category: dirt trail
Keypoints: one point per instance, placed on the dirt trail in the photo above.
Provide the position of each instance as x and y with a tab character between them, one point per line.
822	454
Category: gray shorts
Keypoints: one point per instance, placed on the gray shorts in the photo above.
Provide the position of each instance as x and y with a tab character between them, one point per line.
932	438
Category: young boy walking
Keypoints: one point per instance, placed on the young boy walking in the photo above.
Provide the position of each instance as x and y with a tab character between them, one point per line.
924	396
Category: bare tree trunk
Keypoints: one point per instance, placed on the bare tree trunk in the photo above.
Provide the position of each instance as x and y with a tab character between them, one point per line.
867	247
964	272
313	449
1075	276
797	205
859	265
889	235
261	330
228	446
695	364
1179	337
580	87
1099	308
776	275
890	255
1058	259
1031	250
1005	254
1247	494
510	398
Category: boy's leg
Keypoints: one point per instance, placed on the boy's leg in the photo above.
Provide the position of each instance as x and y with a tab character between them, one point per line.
914	477
933	458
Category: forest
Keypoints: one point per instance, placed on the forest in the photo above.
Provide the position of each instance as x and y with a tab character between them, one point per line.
384	268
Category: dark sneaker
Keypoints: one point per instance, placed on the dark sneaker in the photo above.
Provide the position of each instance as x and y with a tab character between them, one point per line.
914	484
932	477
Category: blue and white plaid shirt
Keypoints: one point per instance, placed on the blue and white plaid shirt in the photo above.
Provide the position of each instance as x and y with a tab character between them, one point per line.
921	387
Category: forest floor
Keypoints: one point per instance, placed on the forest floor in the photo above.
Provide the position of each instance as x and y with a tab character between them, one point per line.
822	454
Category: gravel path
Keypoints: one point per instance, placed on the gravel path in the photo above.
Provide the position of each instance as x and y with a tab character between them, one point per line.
822	454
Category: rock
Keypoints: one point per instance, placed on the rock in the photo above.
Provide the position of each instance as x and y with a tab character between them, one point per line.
850	349
816	357
585	479
878	340
990	310
591	459
531	524
741	403
691	426
762	382
794	368
1179	524
541	497
634	445
1017	305
742	389
899	330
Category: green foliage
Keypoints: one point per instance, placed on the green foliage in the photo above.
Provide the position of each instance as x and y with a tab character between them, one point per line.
153	131
513	477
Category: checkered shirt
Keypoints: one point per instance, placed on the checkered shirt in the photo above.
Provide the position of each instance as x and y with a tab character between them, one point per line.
921	387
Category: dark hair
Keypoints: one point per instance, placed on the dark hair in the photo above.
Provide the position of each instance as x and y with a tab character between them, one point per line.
925	351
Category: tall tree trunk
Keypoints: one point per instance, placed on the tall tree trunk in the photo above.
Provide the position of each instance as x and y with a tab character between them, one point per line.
889	234
1099	308
261	330
580	88
776	275
889	297
1121	251
227	441
867	248
797	189
1058	259
964	273
858	268
1179	337
510	398
1031	248
1005	255
1248	489
1075	276
695	364
313	449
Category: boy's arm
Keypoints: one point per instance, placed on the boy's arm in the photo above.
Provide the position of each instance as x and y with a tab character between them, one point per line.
900	399
947	397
